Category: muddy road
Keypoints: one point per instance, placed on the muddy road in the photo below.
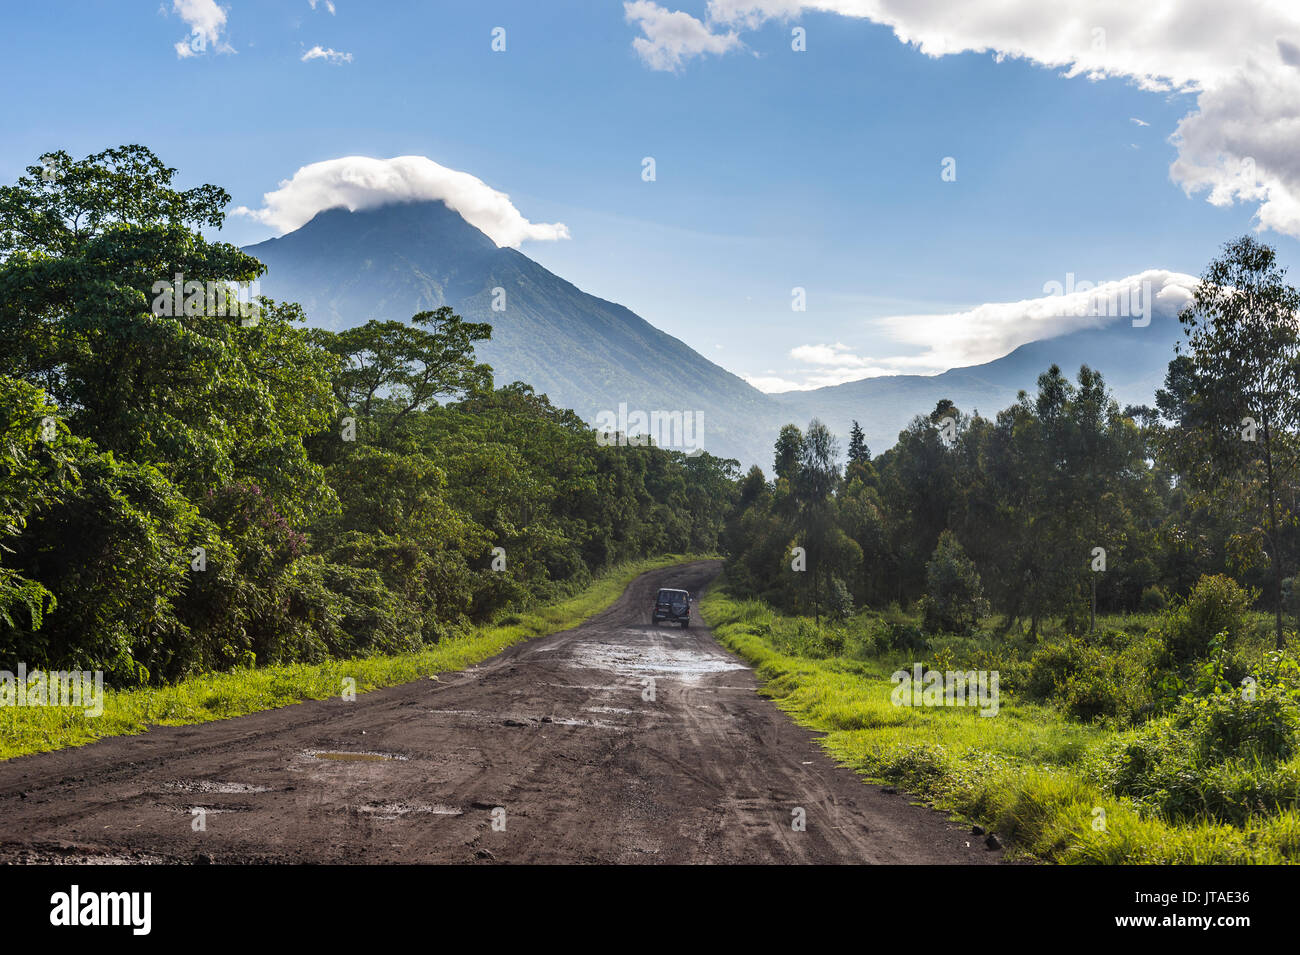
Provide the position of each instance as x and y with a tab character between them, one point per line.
550	752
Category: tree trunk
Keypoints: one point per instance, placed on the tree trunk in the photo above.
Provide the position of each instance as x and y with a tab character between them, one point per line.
1093	625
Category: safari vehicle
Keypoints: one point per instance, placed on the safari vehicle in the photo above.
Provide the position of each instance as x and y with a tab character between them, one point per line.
672	605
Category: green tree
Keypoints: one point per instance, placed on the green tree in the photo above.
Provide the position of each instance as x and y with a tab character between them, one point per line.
88	258
1241	388
858	450
831	553
388	370
954	598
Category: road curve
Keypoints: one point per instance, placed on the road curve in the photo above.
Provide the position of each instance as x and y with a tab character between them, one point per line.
552	751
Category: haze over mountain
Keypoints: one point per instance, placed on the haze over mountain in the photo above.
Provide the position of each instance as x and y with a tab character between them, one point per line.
1133	361
593	355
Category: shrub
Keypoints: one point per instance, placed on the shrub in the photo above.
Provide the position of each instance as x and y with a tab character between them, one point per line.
1153	600
867	637
1227	757
1216	605
1113	676
906	636
1258	726
1291	596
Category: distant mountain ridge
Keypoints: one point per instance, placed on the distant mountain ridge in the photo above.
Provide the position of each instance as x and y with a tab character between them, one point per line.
593	355
1132	360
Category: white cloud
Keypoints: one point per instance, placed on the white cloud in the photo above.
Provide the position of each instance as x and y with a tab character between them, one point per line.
831	365
824	354
1241	59
329	5
330	56
774	385
206	21
361	182
974	336
1139	122
995	329
1240	145
671	37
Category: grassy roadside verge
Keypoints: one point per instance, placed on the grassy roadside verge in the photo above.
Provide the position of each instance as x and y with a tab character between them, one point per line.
1028	773
217	696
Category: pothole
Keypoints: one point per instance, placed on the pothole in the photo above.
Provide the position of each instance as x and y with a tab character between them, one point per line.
207	786
70	856
347	757
396	810
211	810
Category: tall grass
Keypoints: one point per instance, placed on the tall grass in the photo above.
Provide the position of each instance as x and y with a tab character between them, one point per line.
1028	773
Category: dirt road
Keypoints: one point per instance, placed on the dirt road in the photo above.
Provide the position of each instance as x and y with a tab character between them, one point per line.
553	751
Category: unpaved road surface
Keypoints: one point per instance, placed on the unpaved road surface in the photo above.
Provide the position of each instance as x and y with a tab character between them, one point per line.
549	752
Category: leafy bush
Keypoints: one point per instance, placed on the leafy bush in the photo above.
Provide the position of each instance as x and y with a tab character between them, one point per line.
1153	600
114	552
809	639
1228	756
1216	605
1291	596
907	636
1110	676
1259	726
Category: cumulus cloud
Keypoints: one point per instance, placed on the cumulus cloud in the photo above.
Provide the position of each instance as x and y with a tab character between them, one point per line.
329	56
822	366
1240	145
774	385
1241	59
328	4
361	182
207	22
981	334
672	37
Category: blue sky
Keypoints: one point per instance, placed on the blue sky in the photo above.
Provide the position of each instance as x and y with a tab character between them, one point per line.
774	168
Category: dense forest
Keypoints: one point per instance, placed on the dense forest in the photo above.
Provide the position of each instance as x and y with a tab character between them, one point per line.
1063	505
191	481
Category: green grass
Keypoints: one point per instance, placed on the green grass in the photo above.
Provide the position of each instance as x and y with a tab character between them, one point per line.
217	696
1024	773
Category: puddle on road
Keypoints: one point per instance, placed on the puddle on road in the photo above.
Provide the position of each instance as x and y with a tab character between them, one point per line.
524	721
396	810
686	665
592	724
209	786
344	757
210	810
69	856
